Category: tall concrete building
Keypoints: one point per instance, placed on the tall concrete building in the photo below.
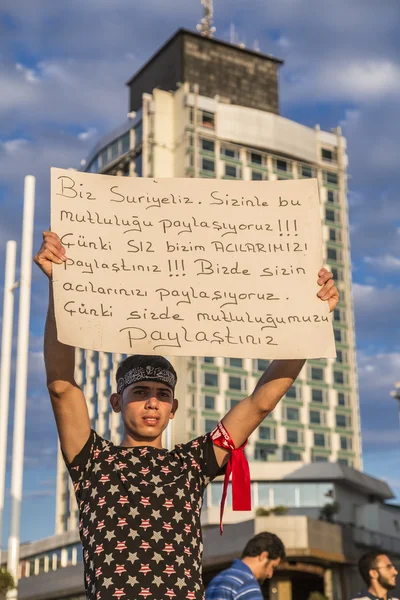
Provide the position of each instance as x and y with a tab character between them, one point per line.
204	108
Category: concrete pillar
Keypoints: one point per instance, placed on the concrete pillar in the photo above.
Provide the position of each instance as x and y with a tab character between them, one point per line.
328	584
284	587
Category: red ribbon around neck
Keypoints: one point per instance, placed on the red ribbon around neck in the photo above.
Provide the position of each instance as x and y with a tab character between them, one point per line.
239	467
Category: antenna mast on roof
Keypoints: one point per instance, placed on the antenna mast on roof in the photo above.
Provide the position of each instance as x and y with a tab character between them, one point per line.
205	27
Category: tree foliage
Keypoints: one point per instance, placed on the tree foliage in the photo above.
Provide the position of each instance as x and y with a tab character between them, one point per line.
6	581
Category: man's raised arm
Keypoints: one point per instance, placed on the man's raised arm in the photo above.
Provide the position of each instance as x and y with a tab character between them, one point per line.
69	405
246	416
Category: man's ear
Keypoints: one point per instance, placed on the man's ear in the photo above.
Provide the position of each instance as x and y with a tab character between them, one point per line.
174	408
116	402
373	573
264	556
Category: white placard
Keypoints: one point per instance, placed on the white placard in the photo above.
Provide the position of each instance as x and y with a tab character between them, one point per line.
190	266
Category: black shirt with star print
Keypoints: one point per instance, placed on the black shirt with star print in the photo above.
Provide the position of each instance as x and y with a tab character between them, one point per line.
139	518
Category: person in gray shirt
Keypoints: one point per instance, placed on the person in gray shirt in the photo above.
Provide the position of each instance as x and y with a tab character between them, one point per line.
379	573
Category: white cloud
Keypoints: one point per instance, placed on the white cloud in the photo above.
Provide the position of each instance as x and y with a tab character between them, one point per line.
283	42
85	135
386	437
28	74
11	147
362	80
377	376
386	262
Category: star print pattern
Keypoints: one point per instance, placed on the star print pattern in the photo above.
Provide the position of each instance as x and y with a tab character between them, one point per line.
139	518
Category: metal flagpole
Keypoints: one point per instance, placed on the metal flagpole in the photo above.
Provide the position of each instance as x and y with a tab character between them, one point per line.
21	380
5	371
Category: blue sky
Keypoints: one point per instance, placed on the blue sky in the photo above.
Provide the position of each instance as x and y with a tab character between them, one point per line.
63	67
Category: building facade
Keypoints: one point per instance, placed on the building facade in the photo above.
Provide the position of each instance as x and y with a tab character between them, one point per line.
322	546
204	108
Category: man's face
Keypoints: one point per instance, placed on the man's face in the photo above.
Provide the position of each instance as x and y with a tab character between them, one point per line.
269	567
387	572
146	408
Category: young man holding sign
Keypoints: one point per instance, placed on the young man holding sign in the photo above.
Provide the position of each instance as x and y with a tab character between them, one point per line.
140	504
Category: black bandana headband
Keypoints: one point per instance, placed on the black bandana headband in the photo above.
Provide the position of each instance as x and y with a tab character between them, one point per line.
147	373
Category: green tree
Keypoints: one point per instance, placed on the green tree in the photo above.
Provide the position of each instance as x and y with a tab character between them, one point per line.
6	581
317	596
328	512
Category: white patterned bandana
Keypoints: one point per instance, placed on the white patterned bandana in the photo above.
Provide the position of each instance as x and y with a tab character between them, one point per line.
147	373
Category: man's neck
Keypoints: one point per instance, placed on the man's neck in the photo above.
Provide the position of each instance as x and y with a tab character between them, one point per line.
377	590
251	563
130	441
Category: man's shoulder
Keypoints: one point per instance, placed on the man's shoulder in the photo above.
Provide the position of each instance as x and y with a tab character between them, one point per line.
235	574
367	596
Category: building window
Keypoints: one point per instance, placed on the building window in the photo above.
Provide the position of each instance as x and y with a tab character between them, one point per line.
233	402
331	196
232	171
113	150
209	403
293	436
337	274
125	143
317	417
235	362
207	119
306	171
208	359
289	455
258	175
262	452
340	377
138	165
332	254
345	443
317	395
342	399
331	178
211	379
282	165
210	424
292	414
317	374
328	155
103	158
256	158
330	215
139	133
343	421
319	458
267	433
320	440
340	335
230	152
343	461
262	364
207	165
94	166
207	145
334	235
293	392
337	315
237	383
